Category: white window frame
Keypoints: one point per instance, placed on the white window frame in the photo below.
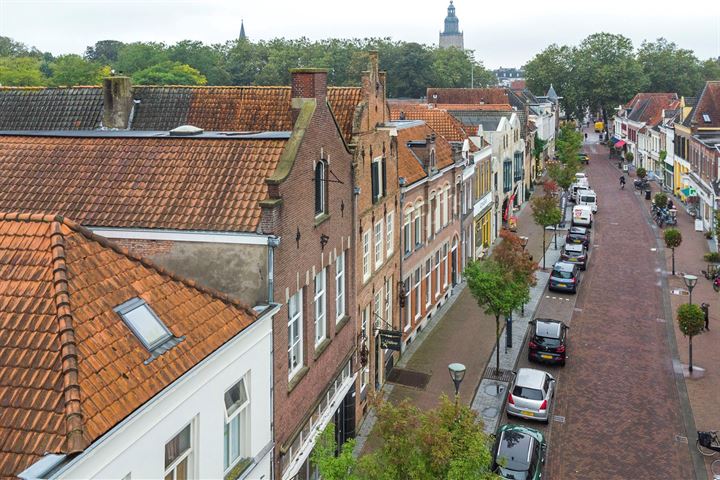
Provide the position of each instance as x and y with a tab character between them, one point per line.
244	427
295	320
408	307
437	273
388	301
446	206
389	233
417	276
365	375
366	256
407	232
444	262
438	201
340	287
379	249
186	455
417	224
320	302
380	173
428	282
430	213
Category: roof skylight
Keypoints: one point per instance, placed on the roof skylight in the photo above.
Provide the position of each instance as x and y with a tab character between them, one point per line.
706	117
144	323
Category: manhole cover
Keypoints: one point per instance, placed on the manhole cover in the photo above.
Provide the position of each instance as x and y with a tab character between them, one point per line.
490	412
409	378
494	389
502	374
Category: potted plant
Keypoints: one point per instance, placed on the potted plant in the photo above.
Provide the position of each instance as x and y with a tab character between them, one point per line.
641	172
712	257
629	157
660	200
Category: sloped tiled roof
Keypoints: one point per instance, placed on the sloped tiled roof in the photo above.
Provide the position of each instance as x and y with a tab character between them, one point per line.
708	103
169	182
648	107
71	369
437	118
38	108
494	95
409	165
167	107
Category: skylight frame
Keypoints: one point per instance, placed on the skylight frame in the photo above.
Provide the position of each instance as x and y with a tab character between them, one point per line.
133	304
706	118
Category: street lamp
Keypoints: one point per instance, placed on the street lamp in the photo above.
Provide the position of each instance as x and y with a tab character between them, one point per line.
523	242
457	373
690	282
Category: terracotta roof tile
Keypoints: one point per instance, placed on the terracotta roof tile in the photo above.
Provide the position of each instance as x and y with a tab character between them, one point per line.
708	103
409	163
174	183
437	118
648	107
164	108
492	95
51	270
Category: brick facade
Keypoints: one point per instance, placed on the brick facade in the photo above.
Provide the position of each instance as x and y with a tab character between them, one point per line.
310	244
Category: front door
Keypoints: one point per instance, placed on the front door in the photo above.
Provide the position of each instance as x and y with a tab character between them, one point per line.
454	266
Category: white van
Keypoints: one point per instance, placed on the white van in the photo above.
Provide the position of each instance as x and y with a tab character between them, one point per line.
582	216
580	176
588	197
576	188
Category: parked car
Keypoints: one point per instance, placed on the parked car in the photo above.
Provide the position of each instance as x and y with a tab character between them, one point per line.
531	395
582	215
580	175
519	453
583	157
565	277
588	197
579	235
548	341
574	253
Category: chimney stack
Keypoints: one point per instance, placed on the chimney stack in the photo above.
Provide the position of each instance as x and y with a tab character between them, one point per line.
117	102
307	84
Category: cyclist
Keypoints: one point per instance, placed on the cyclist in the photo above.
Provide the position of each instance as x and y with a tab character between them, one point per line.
622	182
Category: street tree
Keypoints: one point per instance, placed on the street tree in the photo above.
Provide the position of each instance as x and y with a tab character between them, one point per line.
691	320
669	68
555	66
545	212
673	239
511	255
497	292
445	442
169	73
564	174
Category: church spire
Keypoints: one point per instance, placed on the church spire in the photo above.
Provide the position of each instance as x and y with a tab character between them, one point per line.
243	37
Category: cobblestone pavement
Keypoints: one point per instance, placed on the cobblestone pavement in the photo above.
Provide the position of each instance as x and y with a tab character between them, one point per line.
618	393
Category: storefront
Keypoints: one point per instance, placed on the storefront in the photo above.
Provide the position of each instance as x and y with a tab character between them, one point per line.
669	174
482	213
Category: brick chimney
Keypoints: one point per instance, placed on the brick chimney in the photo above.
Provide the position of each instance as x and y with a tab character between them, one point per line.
117	102
373	84
308	84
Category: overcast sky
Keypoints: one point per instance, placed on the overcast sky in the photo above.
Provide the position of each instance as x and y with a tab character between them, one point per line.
501	33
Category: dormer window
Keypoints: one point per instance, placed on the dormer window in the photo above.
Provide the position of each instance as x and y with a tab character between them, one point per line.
321	187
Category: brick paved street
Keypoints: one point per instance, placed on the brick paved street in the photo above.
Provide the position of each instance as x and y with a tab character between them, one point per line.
618	392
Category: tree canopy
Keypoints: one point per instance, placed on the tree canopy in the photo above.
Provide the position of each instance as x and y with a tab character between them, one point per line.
169	73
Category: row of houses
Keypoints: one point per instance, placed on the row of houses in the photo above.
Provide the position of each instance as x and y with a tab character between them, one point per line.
196	281
677	140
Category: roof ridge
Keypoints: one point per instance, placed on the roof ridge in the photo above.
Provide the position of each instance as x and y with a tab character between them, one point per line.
74	419
72	225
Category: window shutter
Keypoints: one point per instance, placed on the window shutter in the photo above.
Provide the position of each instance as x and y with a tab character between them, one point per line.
384	178
375	180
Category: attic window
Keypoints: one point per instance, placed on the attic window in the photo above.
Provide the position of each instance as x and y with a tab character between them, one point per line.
144	323
706	118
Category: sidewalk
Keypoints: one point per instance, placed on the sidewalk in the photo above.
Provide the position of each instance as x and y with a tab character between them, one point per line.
471	334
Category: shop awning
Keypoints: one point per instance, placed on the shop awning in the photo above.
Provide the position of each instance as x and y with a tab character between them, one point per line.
620	144
614	140
688	192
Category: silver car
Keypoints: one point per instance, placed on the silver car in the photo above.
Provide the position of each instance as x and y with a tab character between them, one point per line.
531	395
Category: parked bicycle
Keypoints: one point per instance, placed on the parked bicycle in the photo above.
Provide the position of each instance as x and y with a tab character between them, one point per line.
708	443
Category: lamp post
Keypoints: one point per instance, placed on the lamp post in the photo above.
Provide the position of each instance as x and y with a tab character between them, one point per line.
690	282
457	373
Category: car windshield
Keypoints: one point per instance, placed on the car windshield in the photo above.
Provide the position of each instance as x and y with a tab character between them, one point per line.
573	249
513	454
527	392
561	274
547	341
587	198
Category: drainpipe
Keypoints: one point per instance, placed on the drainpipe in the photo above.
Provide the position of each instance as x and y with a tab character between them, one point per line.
273	242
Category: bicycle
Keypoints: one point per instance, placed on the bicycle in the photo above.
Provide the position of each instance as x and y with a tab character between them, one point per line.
708	443
715	469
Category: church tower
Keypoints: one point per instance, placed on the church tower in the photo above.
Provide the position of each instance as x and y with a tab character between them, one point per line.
242	37
452	36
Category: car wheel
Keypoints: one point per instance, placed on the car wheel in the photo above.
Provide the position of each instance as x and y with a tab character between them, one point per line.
562	363
574	290
530	358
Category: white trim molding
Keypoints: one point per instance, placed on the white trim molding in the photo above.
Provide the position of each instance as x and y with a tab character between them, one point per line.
186	236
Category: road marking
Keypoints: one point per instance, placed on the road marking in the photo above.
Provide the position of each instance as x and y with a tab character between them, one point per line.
577	309
653	249
614	223
681	439
561	419
660	320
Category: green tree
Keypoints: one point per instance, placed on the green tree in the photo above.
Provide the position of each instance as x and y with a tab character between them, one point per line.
538	146
134	57
11	48
691	320
555	66
72	69
629	157
20	72
513	258
711	69
446	442
673	239
104	52
208	60
669	68
564	174
640	172
330	465
568	143
169	73
546	212
660	200
497	292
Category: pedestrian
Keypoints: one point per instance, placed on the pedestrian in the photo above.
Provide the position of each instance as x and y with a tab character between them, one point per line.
622	181
670	205
586	136
706	310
